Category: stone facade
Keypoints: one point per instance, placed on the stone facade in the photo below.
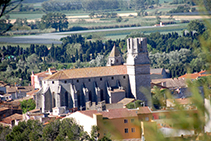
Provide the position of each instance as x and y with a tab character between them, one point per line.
74	87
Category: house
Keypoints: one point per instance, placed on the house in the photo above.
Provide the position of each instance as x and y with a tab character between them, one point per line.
11	120
185	102
119	123
17	91
159	73
37	78
74	87
126	101
195	75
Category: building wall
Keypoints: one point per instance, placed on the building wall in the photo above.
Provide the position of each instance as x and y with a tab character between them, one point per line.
117	127
84	120
62	89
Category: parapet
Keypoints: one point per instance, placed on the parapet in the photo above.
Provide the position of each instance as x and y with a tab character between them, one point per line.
137	45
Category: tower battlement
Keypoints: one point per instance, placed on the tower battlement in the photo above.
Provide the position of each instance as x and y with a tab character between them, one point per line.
136	45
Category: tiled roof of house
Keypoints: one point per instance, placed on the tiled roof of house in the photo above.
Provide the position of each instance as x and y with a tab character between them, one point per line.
31	93
170	83
181	101
3	108
19	88
89	72
144	110
115	52
8	119
46	73
112	113
195	75
126	101
156	71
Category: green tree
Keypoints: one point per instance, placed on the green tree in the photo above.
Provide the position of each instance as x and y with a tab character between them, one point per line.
4	131
196	25
135	104
26	131
54	20
27	105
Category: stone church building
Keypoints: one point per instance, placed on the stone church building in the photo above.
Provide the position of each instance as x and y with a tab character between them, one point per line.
74	87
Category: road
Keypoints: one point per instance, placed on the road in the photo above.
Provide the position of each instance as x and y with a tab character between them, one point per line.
49	38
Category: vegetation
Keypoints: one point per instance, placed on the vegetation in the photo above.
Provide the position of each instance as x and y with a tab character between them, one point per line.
135	104
27	105
33	130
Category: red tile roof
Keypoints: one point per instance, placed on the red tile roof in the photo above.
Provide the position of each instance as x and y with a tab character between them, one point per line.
11	118
144	110
195	75
112	113
89	72
31	93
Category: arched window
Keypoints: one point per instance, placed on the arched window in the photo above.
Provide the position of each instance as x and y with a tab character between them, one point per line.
101	95
78	98
90	96
66	99
53	100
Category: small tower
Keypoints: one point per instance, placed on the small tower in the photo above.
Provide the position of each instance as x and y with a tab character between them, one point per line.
115	57
138	69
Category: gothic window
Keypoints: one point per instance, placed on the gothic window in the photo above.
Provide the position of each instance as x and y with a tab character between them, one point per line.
112	77
89	80
124	77
100	78
117	60
53	100
52	82
78	98
101	95
66	99
77	80
65	81
90	96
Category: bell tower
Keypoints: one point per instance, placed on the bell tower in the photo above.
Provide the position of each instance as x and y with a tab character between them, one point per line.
138	69
115	57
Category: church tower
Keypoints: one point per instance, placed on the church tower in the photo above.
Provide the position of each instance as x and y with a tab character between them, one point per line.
115	57
138	69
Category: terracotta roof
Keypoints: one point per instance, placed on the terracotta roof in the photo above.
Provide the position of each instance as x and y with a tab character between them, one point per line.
170	83
32	92
144	110
34	111
181	101
46	73
115	52
19	88
112	113
195	75
11	118
126	101
3	108
89	72
156	71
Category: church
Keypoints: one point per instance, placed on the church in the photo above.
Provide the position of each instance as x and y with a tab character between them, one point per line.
74	87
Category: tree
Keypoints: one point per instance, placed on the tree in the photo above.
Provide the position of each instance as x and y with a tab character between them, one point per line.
4	130
5	7
27	105
135	104
8	5
26	131
54	20
196	25
158	20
